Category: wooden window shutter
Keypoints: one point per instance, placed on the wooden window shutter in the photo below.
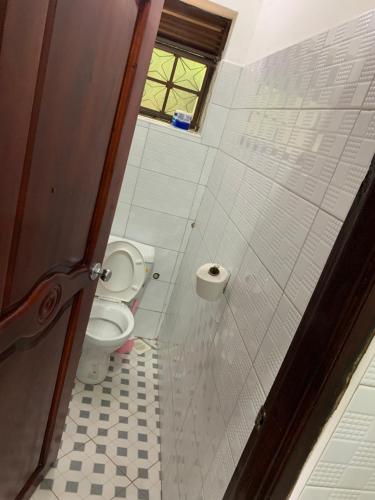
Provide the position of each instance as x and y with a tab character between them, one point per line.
193	29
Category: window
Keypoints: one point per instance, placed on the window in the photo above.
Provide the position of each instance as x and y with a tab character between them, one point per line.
189	45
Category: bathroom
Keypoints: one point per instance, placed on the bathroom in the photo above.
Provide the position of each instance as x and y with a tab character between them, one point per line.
282	135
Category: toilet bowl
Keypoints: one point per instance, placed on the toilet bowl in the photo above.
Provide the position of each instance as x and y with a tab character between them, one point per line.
111	321
110	325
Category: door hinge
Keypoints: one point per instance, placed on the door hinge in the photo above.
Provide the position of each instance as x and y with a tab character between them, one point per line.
260	418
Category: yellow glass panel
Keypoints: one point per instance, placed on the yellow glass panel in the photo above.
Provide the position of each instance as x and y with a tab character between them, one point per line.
180	100
161	64
153	95
189	74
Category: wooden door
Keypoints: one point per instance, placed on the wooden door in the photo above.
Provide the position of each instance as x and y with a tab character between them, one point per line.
71	80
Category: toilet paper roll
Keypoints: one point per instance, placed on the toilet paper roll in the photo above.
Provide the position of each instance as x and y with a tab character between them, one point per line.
211	281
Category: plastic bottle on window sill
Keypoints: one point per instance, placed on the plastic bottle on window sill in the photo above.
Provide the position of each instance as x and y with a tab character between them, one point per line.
181	119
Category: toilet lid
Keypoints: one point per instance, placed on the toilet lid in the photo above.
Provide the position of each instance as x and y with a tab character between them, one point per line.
128	272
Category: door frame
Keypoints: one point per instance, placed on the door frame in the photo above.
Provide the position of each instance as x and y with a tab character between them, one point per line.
333	335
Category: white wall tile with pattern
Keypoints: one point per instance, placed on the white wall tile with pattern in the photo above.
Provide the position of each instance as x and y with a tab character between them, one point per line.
297	142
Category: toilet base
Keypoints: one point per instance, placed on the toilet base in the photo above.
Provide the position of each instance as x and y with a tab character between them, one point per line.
93	365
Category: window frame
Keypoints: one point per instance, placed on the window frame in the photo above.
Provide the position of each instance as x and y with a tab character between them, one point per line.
179	52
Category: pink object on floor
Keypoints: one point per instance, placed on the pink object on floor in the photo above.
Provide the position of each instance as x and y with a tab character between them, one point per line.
135	306
126	347
129	344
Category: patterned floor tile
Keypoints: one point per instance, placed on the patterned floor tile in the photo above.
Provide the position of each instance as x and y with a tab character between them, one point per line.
110	448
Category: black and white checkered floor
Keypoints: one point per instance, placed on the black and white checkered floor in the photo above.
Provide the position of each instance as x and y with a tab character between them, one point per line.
111	446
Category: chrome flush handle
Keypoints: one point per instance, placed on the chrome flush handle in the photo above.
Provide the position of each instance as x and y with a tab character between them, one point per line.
98	272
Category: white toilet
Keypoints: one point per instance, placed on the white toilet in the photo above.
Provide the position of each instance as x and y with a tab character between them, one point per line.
111	321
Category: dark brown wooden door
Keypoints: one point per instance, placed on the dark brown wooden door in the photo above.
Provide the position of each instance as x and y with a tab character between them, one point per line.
71	78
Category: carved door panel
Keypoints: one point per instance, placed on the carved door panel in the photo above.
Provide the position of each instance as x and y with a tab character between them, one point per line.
71	79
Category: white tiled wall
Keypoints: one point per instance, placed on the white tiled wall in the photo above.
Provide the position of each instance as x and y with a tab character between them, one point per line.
164	183
297	142
342	464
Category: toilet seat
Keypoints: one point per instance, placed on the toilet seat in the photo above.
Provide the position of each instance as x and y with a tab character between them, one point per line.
110	323
128	271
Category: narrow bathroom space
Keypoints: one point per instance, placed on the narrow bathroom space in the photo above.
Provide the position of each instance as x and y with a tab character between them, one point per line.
182	172
110	447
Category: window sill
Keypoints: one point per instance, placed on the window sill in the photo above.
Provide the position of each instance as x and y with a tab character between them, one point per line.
167	128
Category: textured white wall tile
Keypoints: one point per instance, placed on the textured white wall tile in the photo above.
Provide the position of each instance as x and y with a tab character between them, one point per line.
343	73
120	219
250	201
174	156
167	299
230	363
197	201
370	98
317	142
220	473
187	232
302	172
168	129
206	170
231	251
164	264
311	493
245	412
280	232
363	402
155	295
276	343
354	426
177	266
190	481
234	129
312	259
253	300
137	147
208	422
155	228
369	378
340	451
215	229
205	210
170	479
225	83
331	120
146	323
128	185
217	173
358	478
163	193
352	167
230	183
357	27
214	123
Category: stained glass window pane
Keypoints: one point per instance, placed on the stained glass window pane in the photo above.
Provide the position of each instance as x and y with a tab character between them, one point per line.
153	95
161	64
180	100
189	74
